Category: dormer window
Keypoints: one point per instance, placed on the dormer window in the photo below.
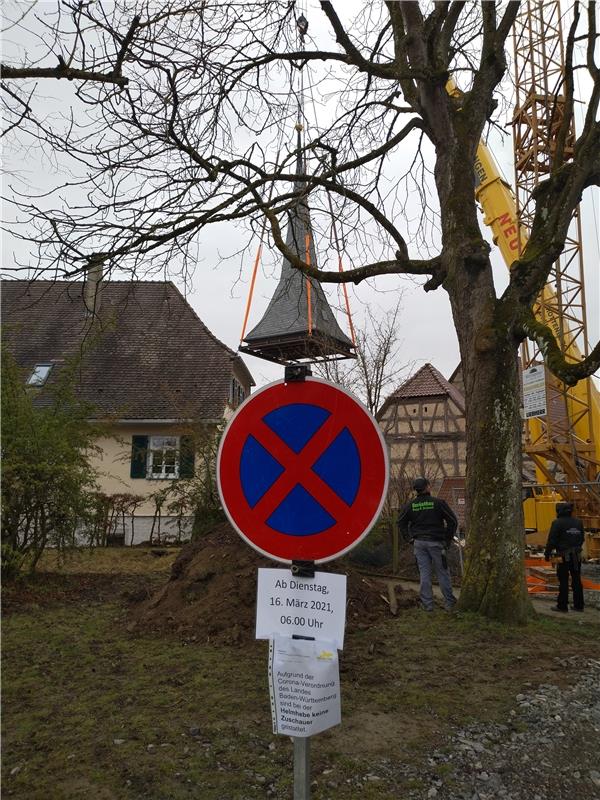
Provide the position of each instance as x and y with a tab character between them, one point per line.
39	375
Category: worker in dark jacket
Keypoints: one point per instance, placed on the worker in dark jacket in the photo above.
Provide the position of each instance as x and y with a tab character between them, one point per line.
566	537
430	524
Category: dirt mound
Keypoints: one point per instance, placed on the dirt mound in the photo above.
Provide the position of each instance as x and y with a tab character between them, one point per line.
211	594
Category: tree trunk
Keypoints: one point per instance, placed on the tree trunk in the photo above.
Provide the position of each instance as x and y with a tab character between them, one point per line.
494	579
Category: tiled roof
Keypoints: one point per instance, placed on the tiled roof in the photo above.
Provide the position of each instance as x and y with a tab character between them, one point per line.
146	354
457	378
426	382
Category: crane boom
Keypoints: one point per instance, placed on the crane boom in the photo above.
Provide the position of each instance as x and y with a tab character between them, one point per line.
500	214
579	458
563	442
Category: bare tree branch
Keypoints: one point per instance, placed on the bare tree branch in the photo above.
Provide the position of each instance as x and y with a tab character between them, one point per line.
354	55
568	371
61	70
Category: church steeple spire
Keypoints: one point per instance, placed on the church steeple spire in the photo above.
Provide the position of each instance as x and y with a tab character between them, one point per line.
298	324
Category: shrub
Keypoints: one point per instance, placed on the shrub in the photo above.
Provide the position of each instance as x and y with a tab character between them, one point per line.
47	480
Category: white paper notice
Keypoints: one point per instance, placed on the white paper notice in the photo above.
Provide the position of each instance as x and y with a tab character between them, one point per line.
288	605
534	392
304	681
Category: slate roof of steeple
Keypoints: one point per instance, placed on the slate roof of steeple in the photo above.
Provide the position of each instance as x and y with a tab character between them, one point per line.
287	311
286	317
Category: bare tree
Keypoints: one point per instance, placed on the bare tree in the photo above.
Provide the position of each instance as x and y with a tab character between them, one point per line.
377	368
67	51
193	139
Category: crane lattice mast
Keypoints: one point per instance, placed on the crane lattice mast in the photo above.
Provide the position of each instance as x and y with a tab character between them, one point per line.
562	443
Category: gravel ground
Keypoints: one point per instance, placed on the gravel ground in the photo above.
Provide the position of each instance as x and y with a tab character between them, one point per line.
548	749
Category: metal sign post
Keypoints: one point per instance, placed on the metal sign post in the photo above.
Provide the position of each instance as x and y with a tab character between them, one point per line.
301	768
303	569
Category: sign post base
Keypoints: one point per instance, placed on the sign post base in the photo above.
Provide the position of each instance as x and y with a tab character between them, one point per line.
301	768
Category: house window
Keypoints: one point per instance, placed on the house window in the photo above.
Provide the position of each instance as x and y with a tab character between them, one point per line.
39	375
236	393
163	457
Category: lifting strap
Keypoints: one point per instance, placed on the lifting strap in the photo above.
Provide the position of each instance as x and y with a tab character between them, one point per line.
308	284
252	282
341	268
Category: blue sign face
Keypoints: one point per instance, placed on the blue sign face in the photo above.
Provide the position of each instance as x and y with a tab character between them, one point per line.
301	512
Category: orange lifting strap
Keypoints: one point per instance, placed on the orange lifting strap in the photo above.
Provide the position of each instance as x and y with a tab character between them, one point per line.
308	286
252	282
341	269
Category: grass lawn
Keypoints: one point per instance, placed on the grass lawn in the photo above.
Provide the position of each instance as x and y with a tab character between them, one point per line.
92	710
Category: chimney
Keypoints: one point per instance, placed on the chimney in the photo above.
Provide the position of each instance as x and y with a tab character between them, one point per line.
91	288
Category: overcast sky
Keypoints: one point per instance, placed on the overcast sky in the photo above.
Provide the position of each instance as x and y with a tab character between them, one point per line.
220	285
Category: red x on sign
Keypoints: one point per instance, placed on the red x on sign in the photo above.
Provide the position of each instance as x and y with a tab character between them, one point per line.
302	471
298	470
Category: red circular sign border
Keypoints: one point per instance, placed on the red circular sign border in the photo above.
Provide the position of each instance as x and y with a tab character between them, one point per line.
309	547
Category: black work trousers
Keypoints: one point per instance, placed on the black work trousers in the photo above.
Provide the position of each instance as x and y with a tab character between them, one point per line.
571	567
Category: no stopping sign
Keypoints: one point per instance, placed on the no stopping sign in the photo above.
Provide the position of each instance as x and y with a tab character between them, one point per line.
302	471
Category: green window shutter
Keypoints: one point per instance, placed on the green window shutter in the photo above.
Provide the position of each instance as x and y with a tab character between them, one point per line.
186	457
139	455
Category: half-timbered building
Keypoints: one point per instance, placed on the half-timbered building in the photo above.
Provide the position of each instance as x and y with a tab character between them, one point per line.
423	422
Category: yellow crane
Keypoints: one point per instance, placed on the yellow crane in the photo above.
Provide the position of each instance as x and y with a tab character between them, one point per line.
563	442
578	458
